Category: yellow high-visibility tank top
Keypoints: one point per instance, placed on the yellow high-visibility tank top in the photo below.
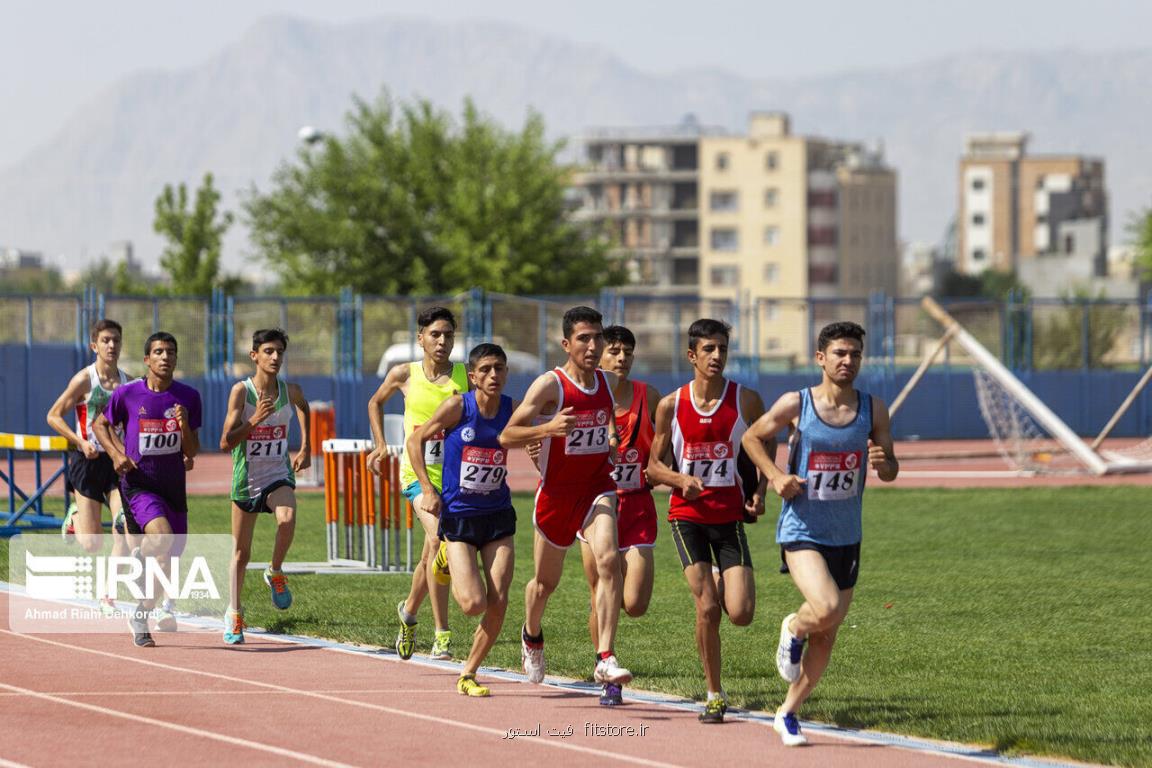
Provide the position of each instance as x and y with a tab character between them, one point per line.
420	403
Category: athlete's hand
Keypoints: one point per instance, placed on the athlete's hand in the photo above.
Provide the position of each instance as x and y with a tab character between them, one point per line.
755	505
788	486
180	413
374	459
89	450
265	407
430	503
123	464
302	460
691	487
189	463
533	450
876	456
561	424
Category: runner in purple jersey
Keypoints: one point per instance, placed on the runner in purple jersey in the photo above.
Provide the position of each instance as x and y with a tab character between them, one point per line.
160	418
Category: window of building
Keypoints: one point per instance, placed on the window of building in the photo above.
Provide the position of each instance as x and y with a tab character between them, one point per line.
771	235
978	219
978	254
722	161
769	310
770	195
725	276
977	185
771	273
724	200
771	161
724	239
772	343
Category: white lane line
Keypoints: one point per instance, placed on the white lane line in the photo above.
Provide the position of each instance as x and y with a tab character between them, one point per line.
332	691
438	720
11	764
280	752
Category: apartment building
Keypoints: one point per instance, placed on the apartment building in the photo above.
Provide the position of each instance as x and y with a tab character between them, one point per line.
1029	213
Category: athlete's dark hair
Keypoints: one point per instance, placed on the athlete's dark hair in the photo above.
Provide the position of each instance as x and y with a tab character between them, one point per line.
432	314
839	330
104	324
483	350
265	335
704	328
159	336
618	334
580	315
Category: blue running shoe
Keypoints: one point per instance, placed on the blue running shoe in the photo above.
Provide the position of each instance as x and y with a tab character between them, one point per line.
234	627
788	726
278	582
611	695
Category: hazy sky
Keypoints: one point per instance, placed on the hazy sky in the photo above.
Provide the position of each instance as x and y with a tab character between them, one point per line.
57	55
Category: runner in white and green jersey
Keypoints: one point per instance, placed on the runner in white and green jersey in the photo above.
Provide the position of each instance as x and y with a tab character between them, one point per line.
263	473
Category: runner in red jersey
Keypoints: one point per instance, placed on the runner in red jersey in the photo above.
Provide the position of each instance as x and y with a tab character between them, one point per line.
697	452
636	511
577	493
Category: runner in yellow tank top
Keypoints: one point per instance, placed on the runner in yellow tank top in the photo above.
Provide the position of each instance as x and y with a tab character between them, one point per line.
424	386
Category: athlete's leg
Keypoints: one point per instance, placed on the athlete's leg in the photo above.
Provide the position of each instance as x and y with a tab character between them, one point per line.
282	502
498	558
468	583
739	597
243	525
157	544
638	569
825	606
703	588
120	546
601	534
437	592
549	566
589	563
86	523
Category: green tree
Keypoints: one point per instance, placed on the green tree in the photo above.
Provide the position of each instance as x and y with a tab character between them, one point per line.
989	284
1058	336
412	201
192	256
116	279
31	280
1140	228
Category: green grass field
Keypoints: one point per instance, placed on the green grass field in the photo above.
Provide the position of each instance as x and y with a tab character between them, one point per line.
1017	619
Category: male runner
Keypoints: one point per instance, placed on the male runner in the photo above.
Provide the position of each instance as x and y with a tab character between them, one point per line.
576	492
159	418
424	385
90	472
263	475
713	486
838	428
475	512
636	514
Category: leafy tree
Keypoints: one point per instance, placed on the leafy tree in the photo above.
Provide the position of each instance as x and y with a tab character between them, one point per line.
1140	228
989	284
117	279
192	256
1058	340
31	280
413	202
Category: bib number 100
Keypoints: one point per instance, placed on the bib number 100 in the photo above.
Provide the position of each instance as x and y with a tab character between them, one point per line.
159	443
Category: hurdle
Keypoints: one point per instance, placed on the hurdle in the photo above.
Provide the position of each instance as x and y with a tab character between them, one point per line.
322	418
15	520
350	503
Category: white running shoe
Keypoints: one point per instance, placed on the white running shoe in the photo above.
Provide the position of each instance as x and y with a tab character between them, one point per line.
789	652
533	659
609	671
788	726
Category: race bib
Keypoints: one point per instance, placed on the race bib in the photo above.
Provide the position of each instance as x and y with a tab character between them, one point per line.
267	443
482	470
627	472
834	476
590	434
434	448
713	463
159	437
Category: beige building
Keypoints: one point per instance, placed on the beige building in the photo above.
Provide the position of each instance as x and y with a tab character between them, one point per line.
1016	209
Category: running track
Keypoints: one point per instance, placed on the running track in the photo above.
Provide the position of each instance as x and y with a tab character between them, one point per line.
94	699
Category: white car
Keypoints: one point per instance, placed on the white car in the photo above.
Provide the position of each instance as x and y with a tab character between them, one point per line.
407	352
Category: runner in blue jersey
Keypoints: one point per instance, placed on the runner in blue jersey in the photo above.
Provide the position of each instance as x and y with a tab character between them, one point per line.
475	506
159	418
838	433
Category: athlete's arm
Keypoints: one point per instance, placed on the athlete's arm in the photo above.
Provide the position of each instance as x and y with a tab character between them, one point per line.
236	429
881	454
75	391
107	437
394	382
752	408
659	473
189	437
303	458
446	416
756	441
543	393
653	396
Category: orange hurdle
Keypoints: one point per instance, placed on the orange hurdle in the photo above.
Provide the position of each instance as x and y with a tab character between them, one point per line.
350	502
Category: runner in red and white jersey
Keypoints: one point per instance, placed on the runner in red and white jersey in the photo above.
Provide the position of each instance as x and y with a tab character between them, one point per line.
636	511
696	451
577	493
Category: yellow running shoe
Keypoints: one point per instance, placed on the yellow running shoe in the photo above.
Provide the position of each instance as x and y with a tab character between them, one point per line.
467	686
406	637
440	565
442	645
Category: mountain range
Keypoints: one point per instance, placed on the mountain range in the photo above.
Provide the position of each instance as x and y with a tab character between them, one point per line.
237	115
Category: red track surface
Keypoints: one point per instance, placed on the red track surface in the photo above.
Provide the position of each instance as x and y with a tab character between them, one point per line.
95	699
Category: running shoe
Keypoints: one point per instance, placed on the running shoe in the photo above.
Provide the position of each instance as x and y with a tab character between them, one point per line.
611	695
107	607
165	618
67	530
278	583
440	565
788	726
468	686
406	637
532	657
118	522
138	623
714	710
789	652
608	671
441	646
234	627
